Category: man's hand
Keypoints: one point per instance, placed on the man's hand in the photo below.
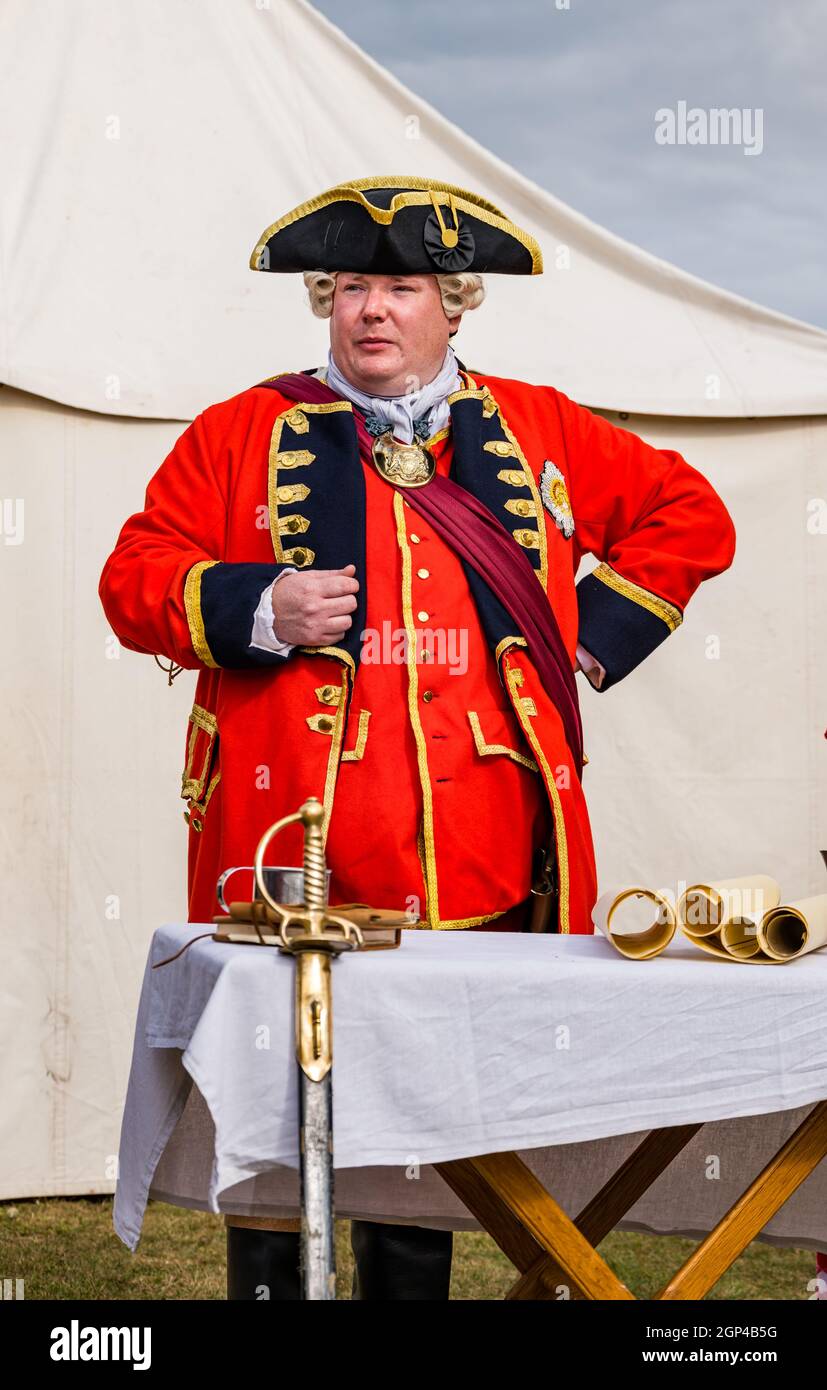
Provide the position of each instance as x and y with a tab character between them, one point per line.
311	608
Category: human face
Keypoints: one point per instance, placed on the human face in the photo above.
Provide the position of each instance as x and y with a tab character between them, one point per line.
389	333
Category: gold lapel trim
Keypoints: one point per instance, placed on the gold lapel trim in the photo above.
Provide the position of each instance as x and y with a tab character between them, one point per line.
525	538
290	459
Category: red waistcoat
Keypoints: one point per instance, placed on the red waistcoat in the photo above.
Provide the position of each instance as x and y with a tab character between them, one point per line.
438	801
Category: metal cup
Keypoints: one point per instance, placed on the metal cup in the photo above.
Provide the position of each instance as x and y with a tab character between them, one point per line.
284	882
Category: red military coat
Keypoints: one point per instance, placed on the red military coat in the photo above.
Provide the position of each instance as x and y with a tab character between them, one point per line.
437	781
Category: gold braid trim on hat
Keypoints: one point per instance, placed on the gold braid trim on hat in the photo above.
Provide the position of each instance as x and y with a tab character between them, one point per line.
463	200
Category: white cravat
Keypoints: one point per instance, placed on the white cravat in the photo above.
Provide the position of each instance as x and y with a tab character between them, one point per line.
399	412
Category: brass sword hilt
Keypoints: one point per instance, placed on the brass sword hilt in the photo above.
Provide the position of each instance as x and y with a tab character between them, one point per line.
313	933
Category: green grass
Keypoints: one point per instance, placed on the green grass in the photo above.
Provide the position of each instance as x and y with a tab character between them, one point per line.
66	1248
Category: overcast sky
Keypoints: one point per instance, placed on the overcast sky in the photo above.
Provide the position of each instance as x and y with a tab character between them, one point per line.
569	97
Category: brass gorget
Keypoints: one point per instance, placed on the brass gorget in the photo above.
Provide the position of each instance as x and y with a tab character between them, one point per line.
407	465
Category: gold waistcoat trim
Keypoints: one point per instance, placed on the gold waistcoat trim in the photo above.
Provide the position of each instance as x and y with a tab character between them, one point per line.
484	748
354	755
431	888
515	679
334	756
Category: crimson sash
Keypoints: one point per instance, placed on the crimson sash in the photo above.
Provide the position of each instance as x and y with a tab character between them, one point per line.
477	536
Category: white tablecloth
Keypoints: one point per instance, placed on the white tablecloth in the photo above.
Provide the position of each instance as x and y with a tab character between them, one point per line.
463	1043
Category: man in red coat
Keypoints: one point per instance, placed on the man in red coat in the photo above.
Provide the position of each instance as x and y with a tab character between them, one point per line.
372	567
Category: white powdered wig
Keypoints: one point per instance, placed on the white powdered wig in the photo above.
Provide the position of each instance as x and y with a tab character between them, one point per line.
459	292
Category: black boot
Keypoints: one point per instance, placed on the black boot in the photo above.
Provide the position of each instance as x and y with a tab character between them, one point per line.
262	1264
400	1261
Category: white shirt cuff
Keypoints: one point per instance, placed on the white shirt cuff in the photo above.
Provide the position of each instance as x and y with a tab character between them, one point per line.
594	671
263	635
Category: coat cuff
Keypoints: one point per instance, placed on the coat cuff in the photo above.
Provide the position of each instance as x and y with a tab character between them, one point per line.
621	623
221	601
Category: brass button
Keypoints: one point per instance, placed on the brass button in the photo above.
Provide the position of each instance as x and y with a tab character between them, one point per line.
427	696
423	616
425	656
325	724
328	692
414	538
423	574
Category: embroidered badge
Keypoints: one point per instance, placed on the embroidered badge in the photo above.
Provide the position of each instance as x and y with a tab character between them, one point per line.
556	498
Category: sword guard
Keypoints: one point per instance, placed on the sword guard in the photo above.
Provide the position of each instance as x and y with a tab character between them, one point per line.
312	925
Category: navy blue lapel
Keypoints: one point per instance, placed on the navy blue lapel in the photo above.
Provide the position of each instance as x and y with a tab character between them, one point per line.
334	506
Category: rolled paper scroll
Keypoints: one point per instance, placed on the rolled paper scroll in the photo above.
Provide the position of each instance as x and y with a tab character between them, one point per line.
639	922
794	929
723	916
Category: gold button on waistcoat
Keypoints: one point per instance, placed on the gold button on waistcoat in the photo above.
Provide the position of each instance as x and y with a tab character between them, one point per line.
422	616
427	696
414	538
423	574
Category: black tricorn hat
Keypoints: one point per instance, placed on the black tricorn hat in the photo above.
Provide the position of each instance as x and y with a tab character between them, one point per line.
397	225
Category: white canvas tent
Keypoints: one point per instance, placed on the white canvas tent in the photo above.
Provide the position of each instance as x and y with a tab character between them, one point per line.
151	145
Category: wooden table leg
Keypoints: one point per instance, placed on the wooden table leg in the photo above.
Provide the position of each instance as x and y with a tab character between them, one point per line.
784	1173
541	1274
484	1202
516	1204
609	1206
